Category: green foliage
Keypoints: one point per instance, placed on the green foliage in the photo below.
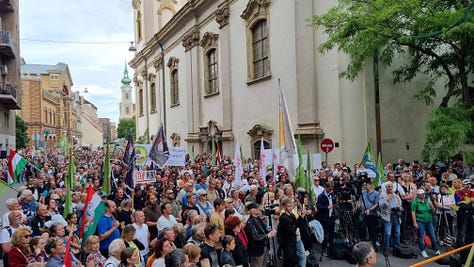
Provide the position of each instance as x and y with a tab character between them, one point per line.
449	129
429	38
21	133
125	126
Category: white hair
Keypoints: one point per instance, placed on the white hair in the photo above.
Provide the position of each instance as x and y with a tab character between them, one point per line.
115	245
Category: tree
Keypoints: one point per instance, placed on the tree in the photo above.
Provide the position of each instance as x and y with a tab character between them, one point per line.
125	126
21	133
433	38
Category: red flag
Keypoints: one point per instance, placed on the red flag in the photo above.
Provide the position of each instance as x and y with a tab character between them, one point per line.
218	154
67	257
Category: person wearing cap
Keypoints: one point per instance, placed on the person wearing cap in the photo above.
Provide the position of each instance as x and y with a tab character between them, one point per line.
421	211
258	236
204	206
464	199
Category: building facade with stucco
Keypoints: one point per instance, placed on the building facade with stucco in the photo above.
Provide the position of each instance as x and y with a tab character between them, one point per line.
210	69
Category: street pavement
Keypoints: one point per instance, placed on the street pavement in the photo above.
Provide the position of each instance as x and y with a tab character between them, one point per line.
326	262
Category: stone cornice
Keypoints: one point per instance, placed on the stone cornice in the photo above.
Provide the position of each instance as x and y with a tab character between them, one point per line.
209	39
158	62
255	7
172	63
191	39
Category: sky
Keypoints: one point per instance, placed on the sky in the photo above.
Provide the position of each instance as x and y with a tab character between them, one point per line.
91	36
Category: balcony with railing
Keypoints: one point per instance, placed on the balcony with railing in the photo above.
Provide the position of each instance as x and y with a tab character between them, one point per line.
7	45
6	6
8	97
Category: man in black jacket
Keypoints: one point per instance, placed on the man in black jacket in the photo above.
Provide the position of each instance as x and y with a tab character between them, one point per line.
258	236
326	203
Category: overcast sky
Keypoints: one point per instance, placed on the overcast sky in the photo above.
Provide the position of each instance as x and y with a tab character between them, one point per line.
70	31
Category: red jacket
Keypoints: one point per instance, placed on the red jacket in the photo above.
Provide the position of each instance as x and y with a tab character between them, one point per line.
17	257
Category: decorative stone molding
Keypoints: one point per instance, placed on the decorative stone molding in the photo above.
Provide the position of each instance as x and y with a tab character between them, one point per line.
172	63
135	80
255	8
144	73
191	40
258	131
209	39
158	62
151	77
175	140
136	4
212	130
222	15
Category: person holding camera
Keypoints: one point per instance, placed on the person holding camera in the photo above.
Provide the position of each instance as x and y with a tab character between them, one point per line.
258	237
391	208
422	209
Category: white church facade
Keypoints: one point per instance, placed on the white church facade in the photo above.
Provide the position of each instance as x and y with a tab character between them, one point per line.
212	69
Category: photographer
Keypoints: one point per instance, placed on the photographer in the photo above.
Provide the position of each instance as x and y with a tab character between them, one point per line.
391	208
258	237
368	205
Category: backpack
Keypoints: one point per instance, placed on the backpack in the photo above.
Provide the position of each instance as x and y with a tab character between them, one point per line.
10	231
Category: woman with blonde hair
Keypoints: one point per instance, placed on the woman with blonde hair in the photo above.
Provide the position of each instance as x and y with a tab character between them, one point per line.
94	258
18	255
194	253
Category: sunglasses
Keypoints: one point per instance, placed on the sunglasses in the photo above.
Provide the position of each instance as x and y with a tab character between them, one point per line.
27	236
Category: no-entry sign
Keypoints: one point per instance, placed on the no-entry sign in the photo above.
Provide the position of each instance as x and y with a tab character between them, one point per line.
327	145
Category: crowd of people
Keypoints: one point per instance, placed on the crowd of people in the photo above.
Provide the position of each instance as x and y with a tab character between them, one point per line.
197	215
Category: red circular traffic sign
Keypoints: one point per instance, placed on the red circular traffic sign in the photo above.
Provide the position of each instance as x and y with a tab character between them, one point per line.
327	145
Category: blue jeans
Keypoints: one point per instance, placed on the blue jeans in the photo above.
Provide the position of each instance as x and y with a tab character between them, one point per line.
388	226
300	254
429	228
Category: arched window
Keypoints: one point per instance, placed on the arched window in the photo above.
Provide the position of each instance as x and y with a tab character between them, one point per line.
256	148
261	62
212	71
153	97
174	88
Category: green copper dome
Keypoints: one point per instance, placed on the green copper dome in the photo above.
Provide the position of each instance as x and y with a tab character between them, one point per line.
126	79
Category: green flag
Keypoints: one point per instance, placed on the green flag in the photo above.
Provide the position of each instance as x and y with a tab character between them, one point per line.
106	170
242	156
309	179
300	178
214	158
380	174
68	183
191	156
4	186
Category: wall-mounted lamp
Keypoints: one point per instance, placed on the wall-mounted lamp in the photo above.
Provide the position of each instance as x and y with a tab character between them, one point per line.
132	47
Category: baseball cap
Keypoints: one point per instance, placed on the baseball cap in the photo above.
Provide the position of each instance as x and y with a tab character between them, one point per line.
466	181
201	192
252	205
420	191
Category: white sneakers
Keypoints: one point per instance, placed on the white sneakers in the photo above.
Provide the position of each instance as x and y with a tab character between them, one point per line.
424	254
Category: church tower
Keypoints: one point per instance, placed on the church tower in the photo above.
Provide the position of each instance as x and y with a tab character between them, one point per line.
127	108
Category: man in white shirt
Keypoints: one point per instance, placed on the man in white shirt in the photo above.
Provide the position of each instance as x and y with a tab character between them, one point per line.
12	204
15	219
142	234
397	188
166	219
115	249
317	188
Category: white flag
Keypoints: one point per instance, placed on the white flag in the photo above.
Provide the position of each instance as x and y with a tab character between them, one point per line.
239	168
261	162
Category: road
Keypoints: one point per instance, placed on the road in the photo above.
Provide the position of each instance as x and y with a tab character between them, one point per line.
327	262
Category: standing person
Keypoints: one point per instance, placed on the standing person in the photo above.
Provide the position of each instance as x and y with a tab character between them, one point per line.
107	227
258	237
204	206
421	212
209	256
287	232
37	223
326	203
142	233
56	249
94	258
391	208
115	249
129	257
368	205
152	213
191	205
162	248
233	226
124	216
175	206
128	236
18	255
228	242
464	199
37	252
218	218
15	218
364	254
166	219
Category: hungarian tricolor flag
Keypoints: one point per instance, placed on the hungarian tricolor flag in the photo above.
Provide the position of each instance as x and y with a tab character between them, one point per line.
218	155
16	163
67	256
94	209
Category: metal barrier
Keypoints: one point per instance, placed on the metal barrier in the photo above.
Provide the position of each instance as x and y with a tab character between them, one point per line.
468	261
